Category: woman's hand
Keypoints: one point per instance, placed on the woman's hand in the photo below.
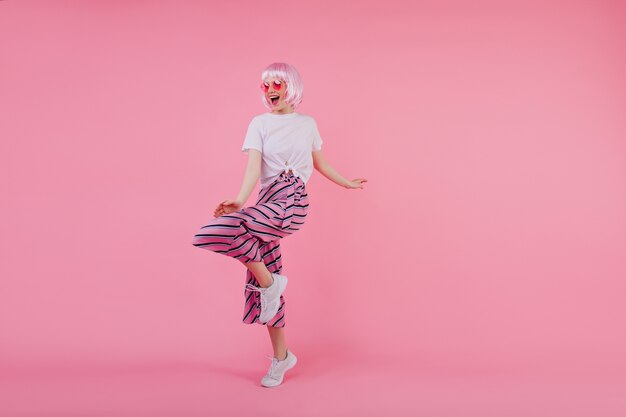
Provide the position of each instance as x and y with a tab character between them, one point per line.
357	183
227	206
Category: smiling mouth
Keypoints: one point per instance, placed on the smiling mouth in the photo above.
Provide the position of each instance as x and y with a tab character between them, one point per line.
274	100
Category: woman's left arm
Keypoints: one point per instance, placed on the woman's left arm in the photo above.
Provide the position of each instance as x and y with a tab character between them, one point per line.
329	172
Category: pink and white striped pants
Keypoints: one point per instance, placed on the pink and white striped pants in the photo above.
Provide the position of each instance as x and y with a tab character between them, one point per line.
253	234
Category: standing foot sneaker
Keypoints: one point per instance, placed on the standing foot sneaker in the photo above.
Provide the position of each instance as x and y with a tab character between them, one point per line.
270	296
277	370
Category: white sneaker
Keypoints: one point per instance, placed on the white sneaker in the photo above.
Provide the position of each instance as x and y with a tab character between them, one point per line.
270	296
277	370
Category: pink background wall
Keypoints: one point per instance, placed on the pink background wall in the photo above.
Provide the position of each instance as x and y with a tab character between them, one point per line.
491	233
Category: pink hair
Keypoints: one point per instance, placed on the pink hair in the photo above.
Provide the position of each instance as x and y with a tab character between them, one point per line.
288	73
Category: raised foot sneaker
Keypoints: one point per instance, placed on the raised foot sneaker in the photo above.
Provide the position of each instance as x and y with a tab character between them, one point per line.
270	296
277	370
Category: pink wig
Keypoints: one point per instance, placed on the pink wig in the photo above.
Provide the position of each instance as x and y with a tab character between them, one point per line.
288	73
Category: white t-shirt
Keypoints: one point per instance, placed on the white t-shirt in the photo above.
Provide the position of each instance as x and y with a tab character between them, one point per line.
286	142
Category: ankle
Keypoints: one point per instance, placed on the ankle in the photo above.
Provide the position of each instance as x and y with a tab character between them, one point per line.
269	282
285	356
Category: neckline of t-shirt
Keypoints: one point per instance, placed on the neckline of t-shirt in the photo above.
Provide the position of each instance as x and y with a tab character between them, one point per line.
283	116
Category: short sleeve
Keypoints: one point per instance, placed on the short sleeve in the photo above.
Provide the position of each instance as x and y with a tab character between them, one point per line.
254	138
317	139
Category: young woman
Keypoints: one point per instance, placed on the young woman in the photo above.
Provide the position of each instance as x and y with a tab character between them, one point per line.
283	148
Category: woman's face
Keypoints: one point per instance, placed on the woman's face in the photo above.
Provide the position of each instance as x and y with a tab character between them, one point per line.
275	90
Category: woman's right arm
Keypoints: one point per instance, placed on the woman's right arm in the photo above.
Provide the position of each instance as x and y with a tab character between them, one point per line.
251	176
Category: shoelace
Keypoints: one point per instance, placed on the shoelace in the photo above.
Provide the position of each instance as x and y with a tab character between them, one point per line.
273	366
261	291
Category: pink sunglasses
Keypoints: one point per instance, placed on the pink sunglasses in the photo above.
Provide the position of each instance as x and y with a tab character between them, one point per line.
265	86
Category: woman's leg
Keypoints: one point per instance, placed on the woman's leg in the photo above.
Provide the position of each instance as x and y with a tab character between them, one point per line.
277	335
261	273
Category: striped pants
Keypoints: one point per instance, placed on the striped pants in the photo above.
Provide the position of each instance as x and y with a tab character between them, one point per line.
253	234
